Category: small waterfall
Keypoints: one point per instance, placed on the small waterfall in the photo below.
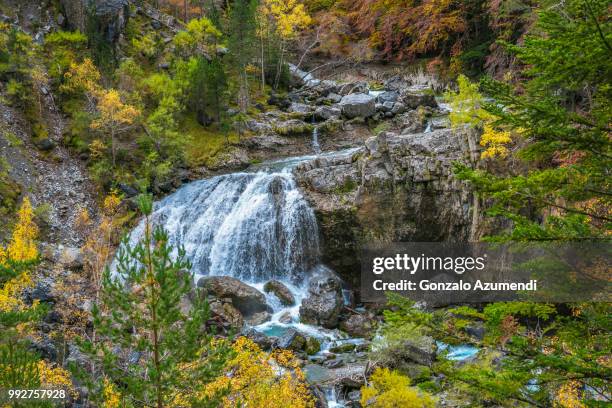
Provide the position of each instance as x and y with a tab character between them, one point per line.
315	137
252	226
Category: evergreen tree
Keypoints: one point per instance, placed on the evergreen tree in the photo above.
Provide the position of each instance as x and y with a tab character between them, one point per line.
242	44
143	312
562	109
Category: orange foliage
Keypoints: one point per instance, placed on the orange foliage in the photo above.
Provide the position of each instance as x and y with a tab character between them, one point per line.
407	27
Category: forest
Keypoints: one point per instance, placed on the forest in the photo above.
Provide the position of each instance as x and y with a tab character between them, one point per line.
187	186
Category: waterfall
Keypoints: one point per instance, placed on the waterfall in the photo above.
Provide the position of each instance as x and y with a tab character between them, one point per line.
315	140
252	226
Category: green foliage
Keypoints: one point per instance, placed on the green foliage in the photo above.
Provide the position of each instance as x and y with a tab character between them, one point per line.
141	310
63	48
562	110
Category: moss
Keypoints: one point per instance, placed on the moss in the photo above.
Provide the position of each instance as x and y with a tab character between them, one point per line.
12	139
294	129
204	144
347	186
381	127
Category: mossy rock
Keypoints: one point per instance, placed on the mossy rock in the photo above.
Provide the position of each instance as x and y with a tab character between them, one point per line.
313	346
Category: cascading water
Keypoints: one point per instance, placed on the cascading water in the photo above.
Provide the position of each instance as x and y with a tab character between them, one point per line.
252	226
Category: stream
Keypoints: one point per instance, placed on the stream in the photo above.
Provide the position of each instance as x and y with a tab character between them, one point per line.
255	226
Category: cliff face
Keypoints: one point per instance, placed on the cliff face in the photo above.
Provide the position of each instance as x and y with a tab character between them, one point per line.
395	188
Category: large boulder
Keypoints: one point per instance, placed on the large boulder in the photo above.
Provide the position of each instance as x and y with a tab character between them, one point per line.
358	105
359	325
281	291
324	302
227	313
245	298
415	99
292	340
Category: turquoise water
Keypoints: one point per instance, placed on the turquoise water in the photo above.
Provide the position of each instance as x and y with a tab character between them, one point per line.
458	353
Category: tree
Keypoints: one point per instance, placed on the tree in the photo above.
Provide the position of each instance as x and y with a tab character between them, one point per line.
252	379
143	311
561	109
241	43
20	368
283	20
115	117
391	389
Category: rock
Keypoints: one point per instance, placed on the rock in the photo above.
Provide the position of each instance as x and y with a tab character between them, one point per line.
45	144
313	346
45	348
387	106
300	108
61	20
263	341
358	105
358	325
76	357
227	313
402	188
336	363
334	97
71	258
353	398
398	108
343	348
388	96
258	318
476	330
353	87
324	302
163	65
292	340
276	100
281	291
396	83
421	351
414	100
245	298
327	112
42	291
285	318
128	190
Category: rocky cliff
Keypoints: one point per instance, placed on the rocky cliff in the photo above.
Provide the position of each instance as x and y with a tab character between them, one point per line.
395	188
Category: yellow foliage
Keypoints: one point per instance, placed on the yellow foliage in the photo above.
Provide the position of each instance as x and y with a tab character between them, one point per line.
568	395
22	247
112	398
54	377
113	112
289	16
390	389
255	379
495	142
83	77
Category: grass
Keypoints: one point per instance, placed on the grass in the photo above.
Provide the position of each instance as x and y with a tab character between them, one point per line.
204	144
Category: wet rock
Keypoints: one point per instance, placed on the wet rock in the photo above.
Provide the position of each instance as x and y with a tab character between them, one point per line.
324	302
353	398
263	341
285	318
313	346
258	318
292	340
227	313
337	363
245	298
128	190
359	325
358	105
343	348
396	83
476	330
281	291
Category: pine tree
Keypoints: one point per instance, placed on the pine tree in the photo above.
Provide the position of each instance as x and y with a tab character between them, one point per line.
561	108
241	43
143	312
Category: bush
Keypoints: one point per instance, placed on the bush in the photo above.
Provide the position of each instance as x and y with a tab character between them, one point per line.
389	389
